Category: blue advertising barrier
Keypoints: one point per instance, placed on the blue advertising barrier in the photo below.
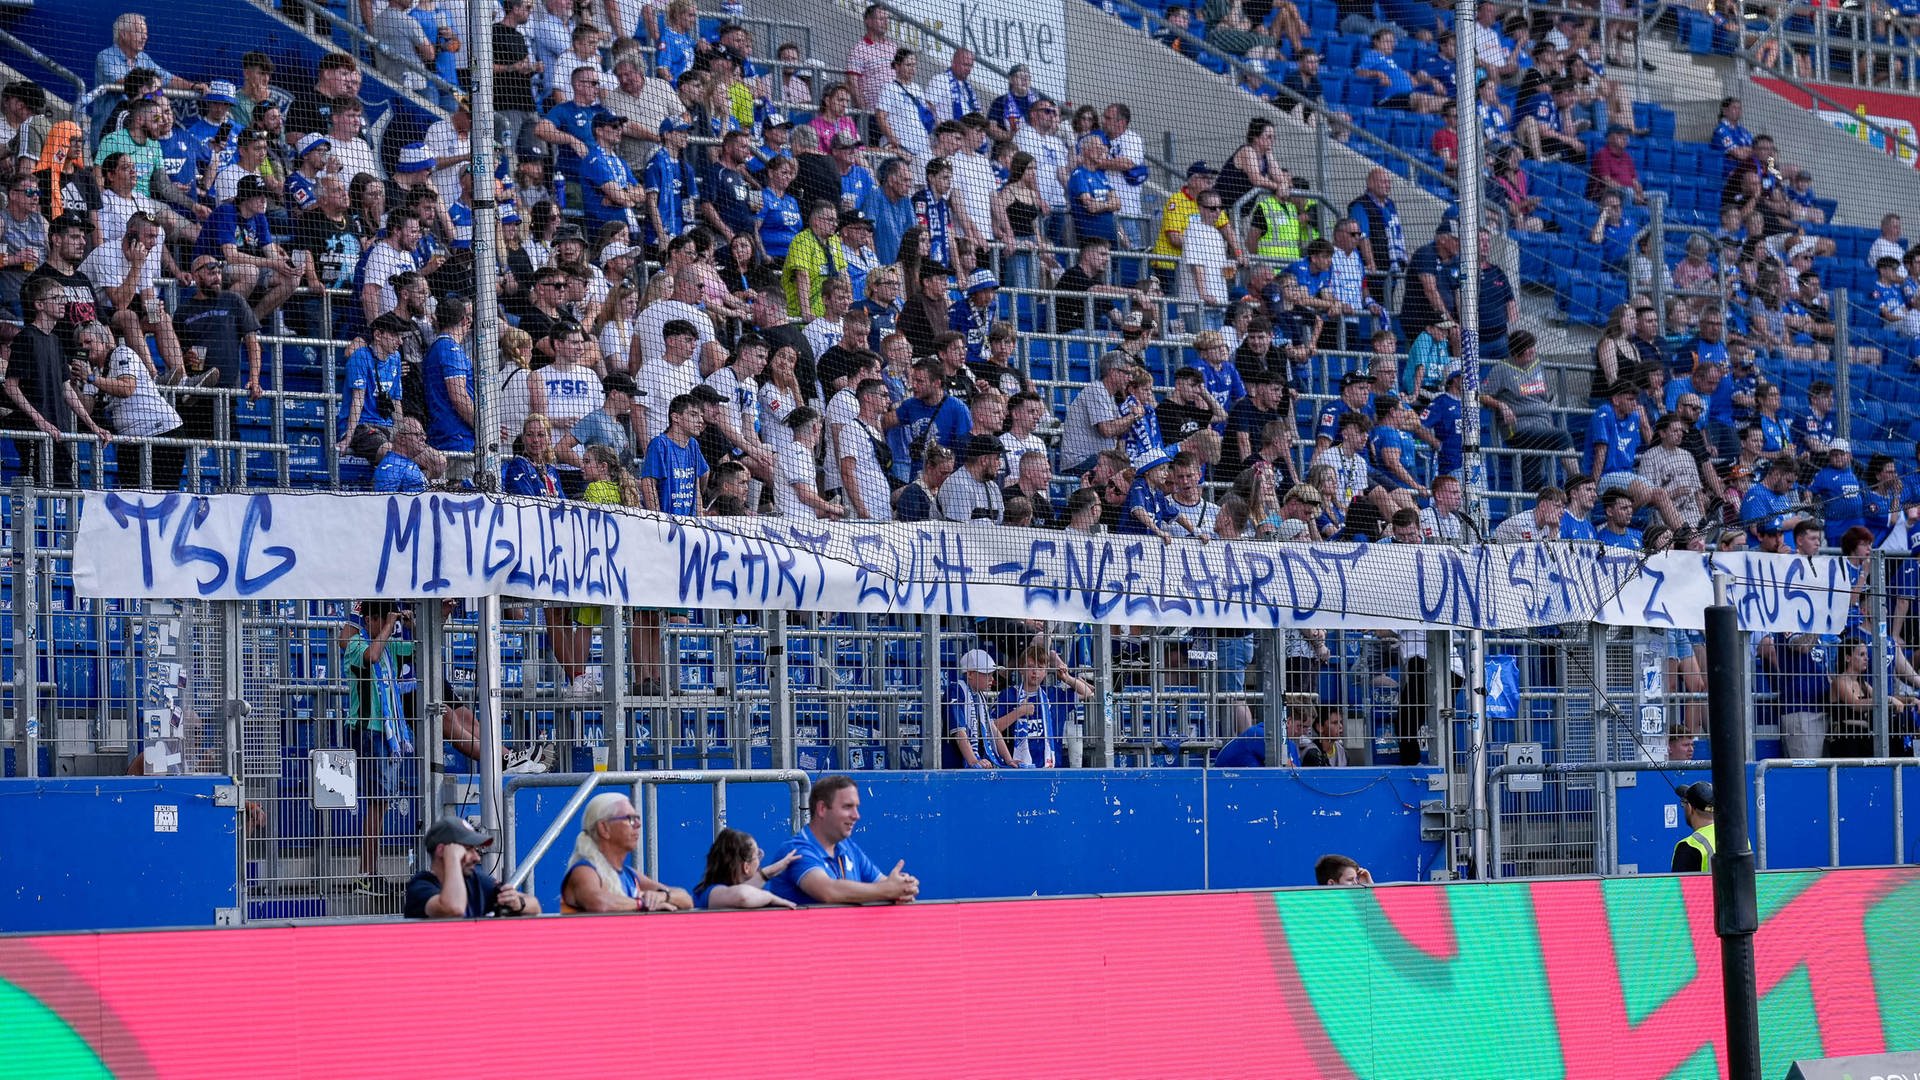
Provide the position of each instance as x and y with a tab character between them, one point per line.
1065	832
115	853
1797	822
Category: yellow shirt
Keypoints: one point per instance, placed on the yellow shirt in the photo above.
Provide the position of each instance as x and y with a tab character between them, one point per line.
807	253
1173	218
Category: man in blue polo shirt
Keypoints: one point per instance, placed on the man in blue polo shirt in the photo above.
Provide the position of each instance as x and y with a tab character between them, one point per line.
447	372
608	188
827	867
569	125
1096	208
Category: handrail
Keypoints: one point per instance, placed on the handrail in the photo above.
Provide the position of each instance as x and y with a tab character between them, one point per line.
359	36
1833	767
47	62
1258	77
1823	38
799	784
1774	70
1570	767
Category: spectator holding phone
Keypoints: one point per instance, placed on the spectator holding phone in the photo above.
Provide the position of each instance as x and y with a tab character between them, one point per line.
453	886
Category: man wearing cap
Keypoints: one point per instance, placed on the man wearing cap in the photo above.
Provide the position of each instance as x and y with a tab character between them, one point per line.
974	740
453	886
669	187
975	317
239	235
215	130
1149	509
1612	168
1094	421
1837	490
608	189
1174	215
1007	114
856	181
973	491
1694	853
312	159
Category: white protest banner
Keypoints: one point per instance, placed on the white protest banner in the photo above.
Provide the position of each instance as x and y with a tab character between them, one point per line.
318	546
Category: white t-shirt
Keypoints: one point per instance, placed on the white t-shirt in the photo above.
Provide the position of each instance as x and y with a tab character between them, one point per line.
1128	146
1441	530
383	263
842	410
1521	528
1201	514
652	321
823	334
106	266
114	211
661	382
973	188
616	342
572	393
1351	470
742	404
1206	250
354	157
793	466
226	182
857	444
442	141
144	413
901	104
776	405
1050	155
1017	448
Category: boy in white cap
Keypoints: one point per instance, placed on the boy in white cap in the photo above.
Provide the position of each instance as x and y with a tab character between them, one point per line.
974	740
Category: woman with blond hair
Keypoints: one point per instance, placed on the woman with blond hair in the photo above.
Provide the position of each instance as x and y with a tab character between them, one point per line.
601	876
518	395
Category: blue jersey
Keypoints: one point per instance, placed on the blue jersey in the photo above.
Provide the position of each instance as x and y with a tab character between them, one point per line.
1807	426
1620	435
845	863
577	121
1729	136
731	195
674	190
1034	739
445	360
372	376
1159	508
1399	83
397	472
302	192
1142	437
1842	505
949	422
677	470
1763	506
1889	299
250	235
1224	383
602	167
1086	223
1877	508
1575	528
780	222
181	158
1329	426
676	52
855	186
1773	434
1442	417
1392	438
1628	539
973	322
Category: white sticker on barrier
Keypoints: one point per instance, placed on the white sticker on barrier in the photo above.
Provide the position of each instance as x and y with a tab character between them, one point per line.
166	819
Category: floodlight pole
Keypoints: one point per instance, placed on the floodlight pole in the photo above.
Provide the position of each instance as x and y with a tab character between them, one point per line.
1735	914
1473	469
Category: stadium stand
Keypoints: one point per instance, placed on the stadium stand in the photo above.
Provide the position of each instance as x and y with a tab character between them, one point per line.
253	269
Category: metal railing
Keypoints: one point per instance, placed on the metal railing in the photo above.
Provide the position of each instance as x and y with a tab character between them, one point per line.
646	794
1832	766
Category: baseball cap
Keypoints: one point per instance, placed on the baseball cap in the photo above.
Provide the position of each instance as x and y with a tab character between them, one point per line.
854	219
983	446
615	250
1839	444
978	661
1698	795
674	123
250	187
1135	322
414	158
706	395
1689	399
778	120
1354	378
980	281
1454	371
452	830
311	141
1201	168
622	382
1619	129
844	141
569	232
219	90
608	120
1447	324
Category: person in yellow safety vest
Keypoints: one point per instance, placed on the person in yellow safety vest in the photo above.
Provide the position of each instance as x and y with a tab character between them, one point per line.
1174	215
1694	853
1277	230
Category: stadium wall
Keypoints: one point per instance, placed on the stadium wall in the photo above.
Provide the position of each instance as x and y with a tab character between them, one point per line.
1535	979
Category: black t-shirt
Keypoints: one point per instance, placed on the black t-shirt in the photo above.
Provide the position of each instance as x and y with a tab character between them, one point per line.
1045	514
482	893
512	90
1247	417
311	111
219	324
1177	421
1071	314
39	364
539	326
333	245
79	304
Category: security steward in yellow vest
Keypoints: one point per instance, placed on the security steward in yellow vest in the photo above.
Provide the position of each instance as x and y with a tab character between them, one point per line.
1694	853
1174	215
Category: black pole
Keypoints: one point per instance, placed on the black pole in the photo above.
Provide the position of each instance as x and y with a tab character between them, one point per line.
1735	914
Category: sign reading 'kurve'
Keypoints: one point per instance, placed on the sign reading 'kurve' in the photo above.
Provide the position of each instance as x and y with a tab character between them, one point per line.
1592	978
